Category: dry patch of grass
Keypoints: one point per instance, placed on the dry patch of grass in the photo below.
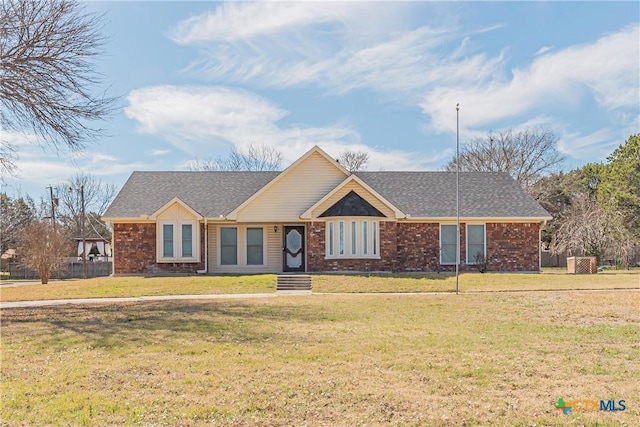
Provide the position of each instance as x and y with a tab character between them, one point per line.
476	359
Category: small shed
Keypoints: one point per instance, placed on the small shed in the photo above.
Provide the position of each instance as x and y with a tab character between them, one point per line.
582	265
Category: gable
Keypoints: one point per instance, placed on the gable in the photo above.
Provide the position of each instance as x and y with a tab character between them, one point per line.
290	194
175	210
352	205
359	188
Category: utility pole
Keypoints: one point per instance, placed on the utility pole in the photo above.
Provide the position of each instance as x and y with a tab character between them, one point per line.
53	208
82	215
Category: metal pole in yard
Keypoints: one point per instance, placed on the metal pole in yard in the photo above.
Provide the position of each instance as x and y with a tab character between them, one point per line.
457	196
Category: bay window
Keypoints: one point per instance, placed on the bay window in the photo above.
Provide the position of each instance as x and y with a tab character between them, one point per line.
352	239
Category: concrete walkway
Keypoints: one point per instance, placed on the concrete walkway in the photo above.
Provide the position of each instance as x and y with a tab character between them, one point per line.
84	301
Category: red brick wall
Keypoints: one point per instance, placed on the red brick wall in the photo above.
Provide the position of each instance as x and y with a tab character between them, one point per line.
135	251
403	247
513	246
416	247
316	260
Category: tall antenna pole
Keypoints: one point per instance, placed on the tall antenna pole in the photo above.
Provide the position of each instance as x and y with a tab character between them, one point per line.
457	196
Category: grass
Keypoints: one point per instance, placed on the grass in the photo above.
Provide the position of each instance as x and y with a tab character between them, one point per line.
140	286
431	282
473	359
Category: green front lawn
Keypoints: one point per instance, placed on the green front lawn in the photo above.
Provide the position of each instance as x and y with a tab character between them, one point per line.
338	360
358	283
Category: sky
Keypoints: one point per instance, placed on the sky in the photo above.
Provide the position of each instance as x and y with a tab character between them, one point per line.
196	79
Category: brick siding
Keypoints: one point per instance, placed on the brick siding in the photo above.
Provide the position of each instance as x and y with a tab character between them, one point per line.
316	260
403	247
135	251
416	247
513	247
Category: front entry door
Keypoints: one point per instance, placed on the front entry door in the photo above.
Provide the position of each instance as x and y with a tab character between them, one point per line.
293	248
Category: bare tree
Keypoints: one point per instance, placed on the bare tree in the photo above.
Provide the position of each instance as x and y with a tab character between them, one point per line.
7	155
526	155
15	216
354	161
253	158
584	229
97	197
48	77
43	249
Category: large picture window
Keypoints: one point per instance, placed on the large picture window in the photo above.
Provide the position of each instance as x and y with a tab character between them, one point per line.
228	246
242	246
352	239
448	238
475	243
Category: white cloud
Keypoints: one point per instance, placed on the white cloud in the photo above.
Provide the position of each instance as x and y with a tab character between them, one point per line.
543	49
159	152
38	168
233	22
339	46
607	68
196	118
597	145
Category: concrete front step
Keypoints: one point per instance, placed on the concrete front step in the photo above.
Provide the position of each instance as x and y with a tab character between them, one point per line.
293	282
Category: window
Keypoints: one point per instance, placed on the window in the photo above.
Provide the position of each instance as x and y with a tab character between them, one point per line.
475	243
352	239
228	246
177	241
330	239
448	239
374	227
365	237
255	253
187	240
167	240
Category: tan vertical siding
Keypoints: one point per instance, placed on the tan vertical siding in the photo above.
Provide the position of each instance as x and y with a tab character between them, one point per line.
273	256
274	249
212	241
297	191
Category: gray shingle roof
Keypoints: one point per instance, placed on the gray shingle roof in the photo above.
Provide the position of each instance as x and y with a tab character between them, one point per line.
418	194
211	194
433	194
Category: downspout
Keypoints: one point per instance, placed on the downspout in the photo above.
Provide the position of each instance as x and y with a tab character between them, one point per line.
206	249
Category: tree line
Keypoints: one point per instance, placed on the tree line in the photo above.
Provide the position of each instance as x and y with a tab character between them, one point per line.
43	234
595	208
